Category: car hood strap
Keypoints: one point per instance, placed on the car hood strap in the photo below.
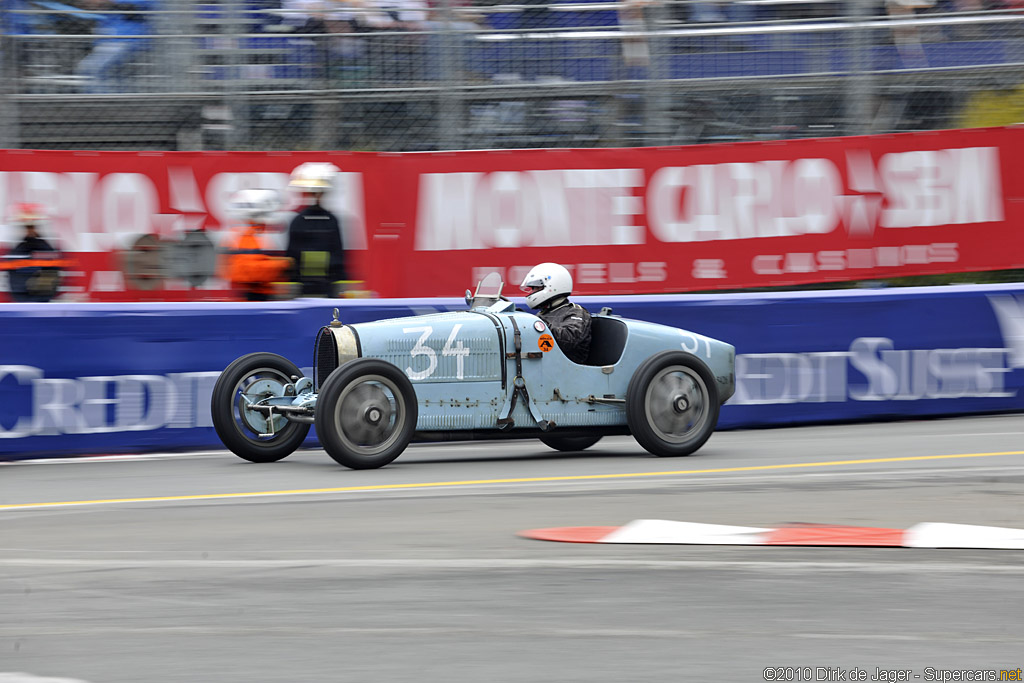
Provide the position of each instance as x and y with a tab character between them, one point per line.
519	389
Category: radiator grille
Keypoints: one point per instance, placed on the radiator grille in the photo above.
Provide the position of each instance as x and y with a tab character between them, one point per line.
326	354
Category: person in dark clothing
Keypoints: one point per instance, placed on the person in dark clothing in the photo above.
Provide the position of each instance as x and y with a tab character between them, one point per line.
548	287
33	265
314	235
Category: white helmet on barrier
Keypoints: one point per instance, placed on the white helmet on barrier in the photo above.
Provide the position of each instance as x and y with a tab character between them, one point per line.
312	177
545	282
255	205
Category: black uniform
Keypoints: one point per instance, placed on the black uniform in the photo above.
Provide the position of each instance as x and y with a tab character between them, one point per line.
570	325
31	245
314	245
35	282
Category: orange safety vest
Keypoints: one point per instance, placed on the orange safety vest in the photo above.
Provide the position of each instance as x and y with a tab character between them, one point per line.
8	262
247	267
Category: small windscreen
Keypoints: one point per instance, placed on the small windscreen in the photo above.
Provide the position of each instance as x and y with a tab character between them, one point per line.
489	287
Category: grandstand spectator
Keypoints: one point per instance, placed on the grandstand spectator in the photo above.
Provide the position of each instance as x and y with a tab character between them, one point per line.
399	58
321	16
325	16
396	15
15	20
908	38
393	58
972	31
712	11
636	53
21	18
451	34
342	52
536	15
103	66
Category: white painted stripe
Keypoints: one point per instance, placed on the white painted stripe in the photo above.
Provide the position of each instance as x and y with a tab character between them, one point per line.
905	566
943	535
972	434
19	677
533	630
123	457
666	531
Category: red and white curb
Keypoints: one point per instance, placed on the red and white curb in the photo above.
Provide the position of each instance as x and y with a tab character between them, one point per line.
924	535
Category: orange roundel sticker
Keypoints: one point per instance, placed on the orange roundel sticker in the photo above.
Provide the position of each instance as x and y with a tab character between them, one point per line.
546	342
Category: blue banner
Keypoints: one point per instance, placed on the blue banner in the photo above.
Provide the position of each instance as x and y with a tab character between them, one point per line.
805	357
114	378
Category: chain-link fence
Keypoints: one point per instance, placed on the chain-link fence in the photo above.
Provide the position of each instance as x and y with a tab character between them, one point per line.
407	75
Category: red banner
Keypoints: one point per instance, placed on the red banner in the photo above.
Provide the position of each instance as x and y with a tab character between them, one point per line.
643	220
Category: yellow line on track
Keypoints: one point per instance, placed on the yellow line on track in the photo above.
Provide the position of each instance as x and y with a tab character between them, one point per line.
478	482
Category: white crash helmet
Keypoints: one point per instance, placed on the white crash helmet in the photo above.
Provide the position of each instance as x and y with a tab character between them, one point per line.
26	213
544	282
255	205
313	177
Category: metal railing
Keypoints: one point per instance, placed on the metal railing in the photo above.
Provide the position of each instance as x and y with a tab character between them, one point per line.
225	75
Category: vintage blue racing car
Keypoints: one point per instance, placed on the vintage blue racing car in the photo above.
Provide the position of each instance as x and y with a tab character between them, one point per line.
491	371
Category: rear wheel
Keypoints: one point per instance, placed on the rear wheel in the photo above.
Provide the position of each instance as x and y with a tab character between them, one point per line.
250	380
569	444
366	413
672	404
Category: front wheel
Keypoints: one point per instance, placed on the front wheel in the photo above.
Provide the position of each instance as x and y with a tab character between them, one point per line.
248	381
672	404
569	444
366	413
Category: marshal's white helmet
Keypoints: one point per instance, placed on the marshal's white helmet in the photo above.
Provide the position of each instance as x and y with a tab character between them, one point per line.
25	213
544	282
255	205
313	177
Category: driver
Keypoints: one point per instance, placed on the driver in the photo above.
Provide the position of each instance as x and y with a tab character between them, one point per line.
548	287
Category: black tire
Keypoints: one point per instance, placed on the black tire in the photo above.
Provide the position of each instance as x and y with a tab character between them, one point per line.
569	444
366	413
238	428
672	404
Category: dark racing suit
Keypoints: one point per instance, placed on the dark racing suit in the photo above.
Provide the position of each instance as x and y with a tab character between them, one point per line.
570	325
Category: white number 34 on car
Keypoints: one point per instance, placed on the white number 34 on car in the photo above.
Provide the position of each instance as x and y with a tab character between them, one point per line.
491	371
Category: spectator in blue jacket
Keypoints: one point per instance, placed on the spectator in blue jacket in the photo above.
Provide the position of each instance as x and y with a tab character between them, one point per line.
15	20
110	54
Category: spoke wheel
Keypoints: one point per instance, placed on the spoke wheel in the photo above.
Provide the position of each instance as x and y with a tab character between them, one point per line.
672	404
366	413
250	380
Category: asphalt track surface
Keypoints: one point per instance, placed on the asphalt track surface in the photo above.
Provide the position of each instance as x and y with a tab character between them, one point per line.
203	567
